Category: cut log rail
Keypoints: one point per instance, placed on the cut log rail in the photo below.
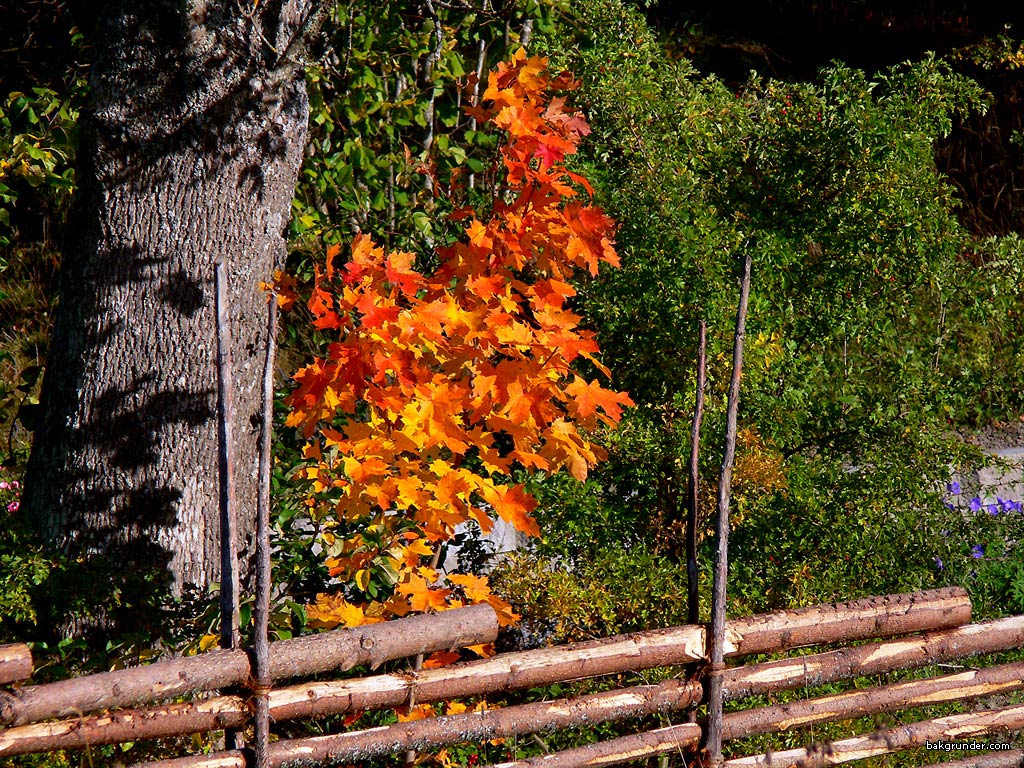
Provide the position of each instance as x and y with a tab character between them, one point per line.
802	714
630	702
853	620
337	650
875	658
954	728
15	662
1010	758
477	727
871	701
636	746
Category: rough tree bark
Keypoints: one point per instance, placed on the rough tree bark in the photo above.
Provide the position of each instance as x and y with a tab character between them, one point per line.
190	153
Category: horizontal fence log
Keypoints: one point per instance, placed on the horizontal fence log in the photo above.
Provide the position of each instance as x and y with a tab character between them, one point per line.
871	701
857	619
126	725
875	658
952	728
525	669
480	726
506	672
624	749
340	649
1009	758
15	662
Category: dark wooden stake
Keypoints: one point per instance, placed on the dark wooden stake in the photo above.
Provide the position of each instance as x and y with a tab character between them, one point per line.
693	492
417	664
229	588
713	733
226	456
261	619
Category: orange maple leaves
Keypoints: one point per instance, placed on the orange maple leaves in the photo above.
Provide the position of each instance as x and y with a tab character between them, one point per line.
439	384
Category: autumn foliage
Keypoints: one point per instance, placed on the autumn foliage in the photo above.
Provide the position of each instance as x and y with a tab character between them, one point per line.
438	385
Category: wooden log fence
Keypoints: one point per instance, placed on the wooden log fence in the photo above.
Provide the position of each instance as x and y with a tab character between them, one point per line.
608	706
635	652
939	612
505	673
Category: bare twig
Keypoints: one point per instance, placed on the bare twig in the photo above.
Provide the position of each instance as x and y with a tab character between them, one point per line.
427	81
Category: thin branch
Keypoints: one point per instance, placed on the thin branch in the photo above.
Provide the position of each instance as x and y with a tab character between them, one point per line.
426	81
693	492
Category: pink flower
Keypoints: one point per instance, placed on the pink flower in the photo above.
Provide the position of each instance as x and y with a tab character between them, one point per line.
13	507
4	485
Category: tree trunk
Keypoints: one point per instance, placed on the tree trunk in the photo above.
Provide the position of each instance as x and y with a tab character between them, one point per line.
190	153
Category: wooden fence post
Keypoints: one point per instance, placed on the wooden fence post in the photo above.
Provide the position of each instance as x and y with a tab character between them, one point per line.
713	732
261	617
226	460
693	489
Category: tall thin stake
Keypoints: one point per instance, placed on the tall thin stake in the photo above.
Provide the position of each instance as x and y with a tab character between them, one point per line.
417	665
261	619
226	459
713	734
693	492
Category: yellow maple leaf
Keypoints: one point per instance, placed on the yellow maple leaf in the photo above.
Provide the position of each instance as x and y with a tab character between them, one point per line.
419	712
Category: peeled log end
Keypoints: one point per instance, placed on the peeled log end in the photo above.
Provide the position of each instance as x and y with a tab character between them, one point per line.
15	662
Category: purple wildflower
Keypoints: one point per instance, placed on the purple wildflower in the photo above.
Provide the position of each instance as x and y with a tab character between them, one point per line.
977	551
975	504
954	487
